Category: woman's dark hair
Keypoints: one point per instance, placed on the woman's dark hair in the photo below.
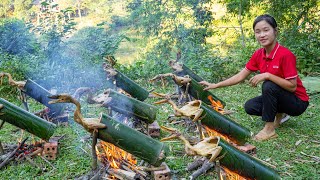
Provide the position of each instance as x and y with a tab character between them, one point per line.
269	19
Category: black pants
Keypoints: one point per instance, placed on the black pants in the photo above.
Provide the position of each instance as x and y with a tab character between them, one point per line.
273	100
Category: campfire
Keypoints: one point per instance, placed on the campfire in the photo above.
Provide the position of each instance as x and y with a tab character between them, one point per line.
230	175
119	164
216	105
110	154
212	132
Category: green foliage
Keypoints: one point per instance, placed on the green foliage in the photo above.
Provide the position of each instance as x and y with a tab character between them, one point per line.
5	7
170	23
298	23
118	22
15	38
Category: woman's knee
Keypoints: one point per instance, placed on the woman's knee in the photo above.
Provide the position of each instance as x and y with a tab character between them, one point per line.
249	107
269	86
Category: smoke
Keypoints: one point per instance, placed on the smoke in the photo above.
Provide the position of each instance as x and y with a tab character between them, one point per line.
74	62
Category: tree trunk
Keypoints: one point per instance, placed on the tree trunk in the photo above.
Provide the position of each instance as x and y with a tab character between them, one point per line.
130	87
131	107
132	141
25	120
244	164
224	125
40	94
240	23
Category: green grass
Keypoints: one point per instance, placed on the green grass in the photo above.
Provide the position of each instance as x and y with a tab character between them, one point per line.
284	152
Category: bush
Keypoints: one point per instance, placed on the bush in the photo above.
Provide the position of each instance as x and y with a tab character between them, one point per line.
15	38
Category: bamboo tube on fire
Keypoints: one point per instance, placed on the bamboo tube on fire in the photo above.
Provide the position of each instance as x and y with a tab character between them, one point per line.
196	91
131	107
244	164
130	86
41	95
25	120
224	125
132	141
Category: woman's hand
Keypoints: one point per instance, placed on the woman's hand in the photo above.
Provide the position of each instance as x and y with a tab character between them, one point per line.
209	85
258	78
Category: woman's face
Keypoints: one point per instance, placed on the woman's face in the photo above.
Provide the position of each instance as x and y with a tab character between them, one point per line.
265	33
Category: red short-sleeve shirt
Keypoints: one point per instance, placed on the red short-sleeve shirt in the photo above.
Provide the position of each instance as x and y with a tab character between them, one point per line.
281	62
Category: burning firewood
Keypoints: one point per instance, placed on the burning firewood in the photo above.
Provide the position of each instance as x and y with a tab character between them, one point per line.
122	174
18	84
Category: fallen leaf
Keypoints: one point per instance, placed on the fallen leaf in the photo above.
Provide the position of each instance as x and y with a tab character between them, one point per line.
298	142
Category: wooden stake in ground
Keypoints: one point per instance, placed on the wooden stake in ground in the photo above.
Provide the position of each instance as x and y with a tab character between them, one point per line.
93	149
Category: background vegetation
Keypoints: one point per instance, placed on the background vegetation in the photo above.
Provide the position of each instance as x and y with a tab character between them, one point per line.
65	49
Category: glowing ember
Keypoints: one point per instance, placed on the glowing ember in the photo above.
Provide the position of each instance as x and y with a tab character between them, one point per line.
108	153
212	132
216	105
230	175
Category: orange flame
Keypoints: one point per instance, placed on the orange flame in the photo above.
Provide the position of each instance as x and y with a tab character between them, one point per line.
212	132
216	105
230	175
108	153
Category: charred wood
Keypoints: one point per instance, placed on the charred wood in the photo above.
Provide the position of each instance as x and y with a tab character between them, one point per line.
1	149
204	168
197	163
122	174
10	156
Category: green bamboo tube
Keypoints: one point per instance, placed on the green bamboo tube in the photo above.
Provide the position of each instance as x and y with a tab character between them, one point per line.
25	120
244	164
131	107
188	71
224	125
40	94
132	141
196	91
130	87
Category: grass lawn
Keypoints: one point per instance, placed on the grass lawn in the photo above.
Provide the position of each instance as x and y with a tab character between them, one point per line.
289	153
